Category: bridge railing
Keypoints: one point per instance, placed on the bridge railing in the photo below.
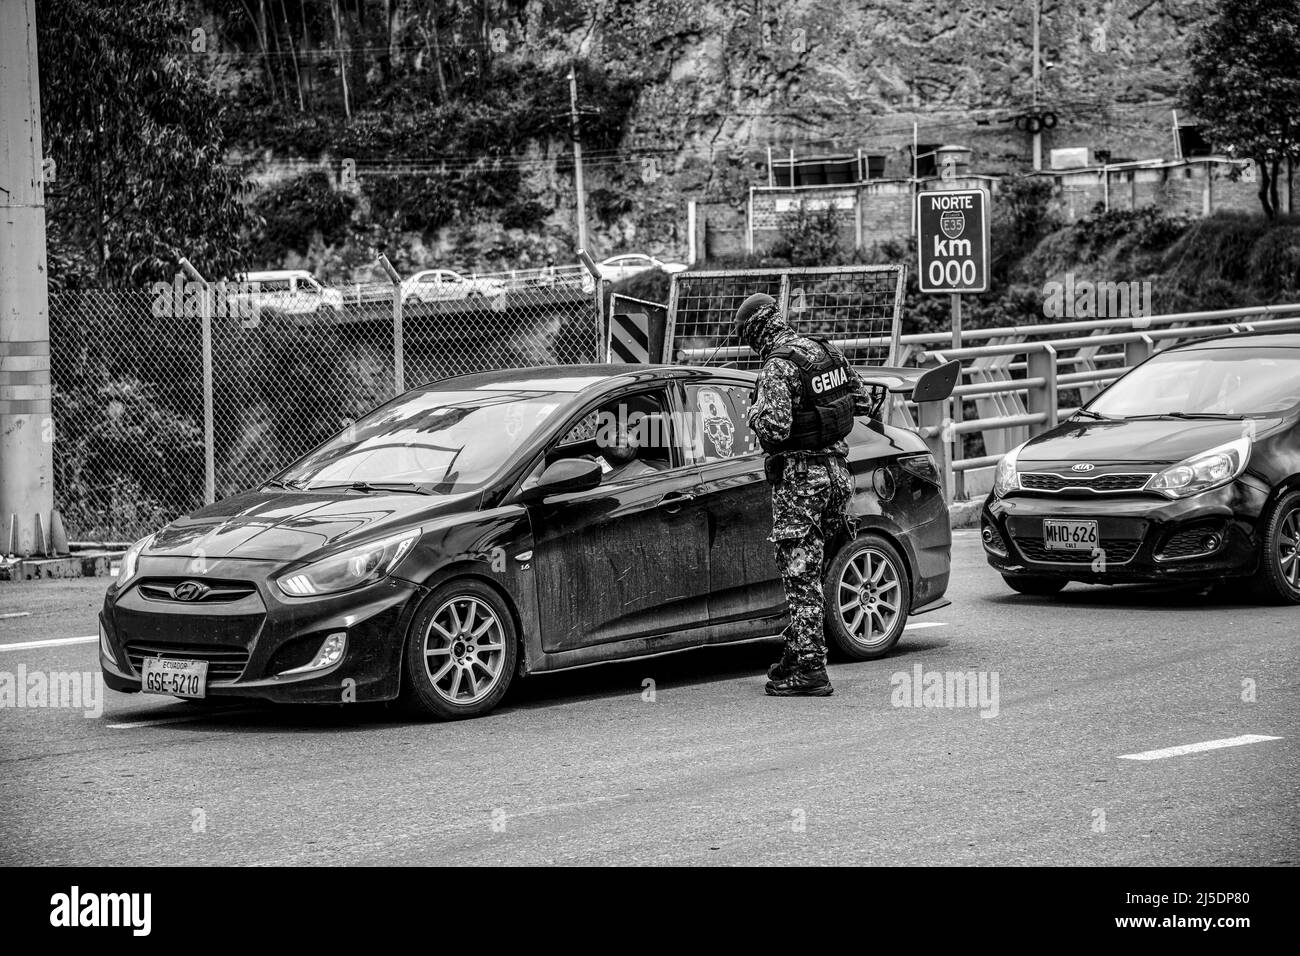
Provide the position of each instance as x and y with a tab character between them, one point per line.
1019	381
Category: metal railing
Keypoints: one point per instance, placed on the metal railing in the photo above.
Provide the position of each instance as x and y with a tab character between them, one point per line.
573	276
1024	379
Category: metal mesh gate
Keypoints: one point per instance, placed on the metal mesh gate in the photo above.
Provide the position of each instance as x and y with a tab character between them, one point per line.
857	307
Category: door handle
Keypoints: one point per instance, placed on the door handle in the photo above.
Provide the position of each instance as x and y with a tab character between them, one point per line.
673	501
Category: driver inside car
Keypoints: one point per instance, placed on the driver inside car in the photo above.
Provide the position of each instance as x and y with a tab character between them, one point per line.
621	457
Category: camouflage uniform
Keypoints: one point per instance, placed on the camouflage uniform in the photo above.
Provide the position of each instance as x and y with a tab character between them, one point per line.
810	500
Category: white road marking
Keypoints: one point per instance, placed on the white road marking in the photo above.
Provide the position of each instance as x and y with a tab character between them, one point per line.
52	642
13	614
1197	748
917	625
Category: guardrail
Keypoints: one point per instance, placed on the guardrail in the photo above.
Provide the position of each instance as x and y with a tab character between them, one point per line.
516	280
1016	380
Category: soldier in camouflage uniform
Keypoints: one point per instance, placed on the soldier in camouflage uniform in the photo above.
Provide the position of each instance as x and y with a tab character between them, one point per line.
806	397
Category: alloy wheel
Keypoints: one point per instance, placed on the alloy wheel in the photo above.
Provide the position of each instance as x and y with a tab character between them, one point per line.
464	650
1288	548
870	597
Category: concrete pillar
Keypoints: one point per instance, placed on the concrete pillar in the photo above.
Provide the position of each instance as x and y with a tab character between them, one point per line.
26	423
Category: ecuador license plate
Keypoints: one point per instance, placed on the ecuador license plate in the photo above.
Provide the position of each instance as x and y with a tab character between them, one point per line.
164	675
1061	535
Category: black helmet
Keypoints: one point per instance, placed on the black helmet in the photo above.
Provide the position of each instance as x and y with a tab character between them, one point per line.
748	308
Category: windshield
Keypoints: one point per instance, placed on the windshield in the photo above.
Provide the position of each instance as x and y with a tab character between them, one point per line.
1233	382
445	442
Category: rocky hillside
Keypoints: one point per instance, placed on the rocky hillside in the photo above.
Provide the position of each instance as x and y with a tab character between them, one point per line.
681	100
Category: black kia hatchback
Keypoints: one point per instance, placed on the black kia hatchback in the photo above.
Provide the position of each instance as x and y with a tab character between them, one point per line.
1186	469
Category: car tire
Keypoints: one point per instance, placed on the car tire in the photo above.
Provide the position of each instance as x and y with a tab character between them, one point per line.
448	673
1279	561
860	581
1033	584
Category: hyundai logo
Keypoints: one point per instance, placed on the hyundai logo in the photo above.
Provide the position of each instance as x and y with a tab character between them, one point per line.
1082	466
190	591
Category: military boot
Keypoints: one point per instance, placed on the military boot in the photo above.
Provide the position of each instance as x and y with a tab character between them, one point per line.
783	668
803	682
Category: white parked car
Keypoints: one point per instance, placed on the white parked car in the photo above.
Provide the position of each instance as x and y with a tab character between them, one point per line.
444	285
616	268
289	291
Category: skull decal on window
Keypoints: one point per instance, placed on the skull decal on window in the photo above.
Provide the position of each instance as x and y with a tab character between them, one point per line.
716	420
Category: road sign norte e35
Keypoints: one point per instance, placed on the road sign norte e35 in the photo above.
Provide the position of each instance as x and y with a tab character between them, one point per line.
953	240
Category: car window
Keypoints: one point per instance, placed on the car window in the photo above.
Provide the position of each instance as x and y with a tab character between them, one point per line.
449	442
274	285
630	437
1230	381
719	416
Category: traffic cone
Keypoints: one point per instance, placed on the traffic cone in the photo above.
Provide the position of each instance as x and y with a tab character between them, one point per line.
41	547
13	535
58	537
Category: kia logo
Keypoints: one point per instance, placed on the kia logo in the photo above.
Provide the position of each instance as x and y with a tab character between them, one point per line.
190	591
1082	466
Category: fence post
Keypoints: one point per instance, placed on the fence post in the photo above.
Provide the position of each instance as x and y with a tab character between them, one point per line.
209	428
1041	363
1135	353
399	346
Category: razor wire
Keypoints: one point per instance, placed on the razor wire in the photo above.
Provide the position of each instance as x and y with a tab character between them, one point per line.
289	370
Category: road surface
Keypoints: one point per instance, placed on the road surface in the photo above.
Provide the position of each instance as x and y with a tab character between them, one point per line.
601	767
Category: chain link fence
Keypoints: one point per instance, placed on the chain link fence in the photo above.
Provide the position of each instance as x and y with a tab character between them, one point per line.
857	307
289	368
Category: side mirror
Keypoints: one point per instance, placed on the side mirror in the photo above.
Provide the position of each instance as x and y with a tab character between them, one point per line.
562	477
937	384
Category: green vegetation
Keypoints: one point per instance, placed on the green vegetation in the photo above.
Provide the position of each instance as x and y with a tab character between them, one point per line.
1245	87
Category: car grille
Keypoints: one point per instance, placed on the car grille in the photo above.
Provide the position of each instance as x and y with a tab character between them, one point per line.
219	592
1189	543
1115	550
224	663
1101	484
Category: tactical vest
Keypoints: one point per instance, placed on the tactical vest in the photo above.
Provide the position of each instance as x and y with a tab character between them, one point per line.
824	413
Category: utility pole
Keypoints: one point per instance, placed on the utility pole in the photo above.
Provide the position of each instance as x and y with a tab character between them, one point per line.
26	425
1038	134
577	159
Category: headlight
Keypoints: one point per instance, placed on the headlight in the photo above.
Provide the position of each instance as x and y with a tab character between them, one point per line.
364	564
132	558
1006	479
1209	469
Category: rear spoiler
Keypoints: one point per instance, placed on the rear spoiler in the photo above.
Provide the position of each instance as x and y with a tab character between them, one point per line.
919	384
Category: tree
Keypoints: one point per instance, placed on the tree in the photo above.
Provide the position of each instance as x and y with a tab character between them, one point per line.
1245	85
135	133
810	237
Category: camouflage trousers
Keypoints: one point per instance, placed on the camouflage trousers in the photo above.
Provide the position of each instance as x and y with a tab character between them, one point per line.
809	506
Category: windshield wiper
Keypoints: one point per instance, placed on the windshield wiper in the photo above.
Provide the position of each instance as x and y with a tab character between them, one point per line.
403	487
1094	415
1225	416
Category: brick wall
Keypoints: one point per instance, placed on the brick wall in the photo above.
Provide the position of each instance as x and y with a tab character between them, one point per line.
1179	188
866	214
880	211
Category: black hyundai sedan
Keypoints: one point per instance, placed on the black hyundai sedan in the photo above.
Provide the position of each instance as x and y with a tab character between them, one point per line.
509	523
1186	469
